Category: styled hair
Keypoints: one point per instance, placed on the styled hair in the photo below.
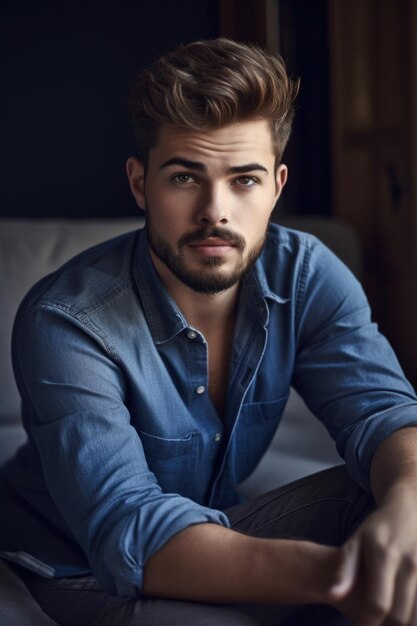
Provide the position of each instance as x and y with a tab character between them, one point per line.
206	85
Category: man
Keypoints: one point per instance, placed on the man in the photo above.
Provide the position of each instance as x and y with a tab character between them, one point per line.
154	369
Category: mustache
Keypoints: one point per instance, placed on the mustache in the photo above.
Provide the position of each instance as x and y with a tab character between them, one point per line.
226	234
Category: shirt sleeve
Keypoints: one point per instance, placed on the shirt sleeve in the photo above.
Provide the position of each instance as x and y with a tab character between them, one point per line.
345	368
75	405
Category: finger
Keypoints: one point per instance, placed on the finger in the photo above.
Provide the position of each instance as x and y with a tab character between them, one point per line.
413	620
405	595
378	575
346	575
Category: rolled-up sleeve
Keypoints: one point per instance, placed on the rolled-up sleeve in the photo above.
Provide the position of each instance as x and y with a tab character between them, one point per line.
345	368
75	400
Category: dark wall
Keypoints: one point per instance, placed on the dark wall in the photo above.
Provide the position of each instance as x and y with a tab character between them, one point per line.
65	69
305	48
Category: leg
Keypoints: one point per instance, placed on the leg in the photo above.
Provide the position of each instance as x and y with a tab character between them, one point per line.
325	508
17	605
80	601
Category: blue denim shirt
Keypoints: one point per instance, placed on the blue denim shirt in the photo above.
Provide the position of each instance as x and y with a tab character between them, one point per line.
125	446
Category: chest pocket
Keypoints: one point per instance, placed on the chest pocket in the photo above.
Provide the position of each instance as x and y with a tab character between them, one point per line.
173	461
258	422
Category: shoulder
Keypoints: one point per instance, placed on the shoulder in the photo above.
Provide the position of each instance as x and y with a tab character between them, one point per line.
292	247
88	281
297	266
297	250
322	240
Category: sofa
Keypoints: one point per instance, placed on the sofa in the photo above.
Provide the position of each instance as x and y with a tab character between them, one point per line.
29	249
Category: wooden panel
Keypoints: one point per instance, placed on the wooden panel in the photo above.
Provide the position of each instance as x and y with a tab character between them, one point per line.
391	62
374	190
355	191
392	194
355	68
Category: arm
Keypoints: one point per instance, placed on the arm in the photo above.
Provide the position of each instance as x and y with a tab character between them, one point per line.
210	563
349	376
136	537
378	572
75	405
345	369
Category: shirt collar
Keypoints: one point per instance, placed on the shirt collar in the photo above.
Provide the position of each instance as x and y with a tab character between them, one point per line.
259	272
256	293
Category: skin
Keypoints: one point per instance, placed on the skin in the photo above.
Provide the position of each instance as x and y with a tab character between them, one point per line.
373	578
189	198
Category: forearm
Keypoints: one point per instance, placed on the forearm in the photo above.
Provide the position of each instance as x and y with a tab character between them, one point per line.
210	563
394	466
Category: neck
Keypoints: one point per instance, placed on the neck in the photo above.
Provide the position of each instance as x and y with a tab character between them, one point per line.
208	313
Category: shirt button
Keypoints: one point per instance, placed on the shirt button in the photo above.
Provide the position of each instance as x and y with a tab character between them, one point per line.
217	437
200	390
191	334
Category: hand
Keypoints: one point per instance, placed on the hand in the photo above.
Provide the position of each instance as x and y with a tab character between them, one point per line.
376	582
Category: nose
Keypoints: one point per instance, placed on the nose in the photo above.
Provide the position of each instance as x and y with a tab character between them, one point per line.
212	208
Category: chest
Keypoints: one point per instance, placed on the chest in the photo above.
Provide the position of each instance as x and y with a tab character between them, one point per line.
219	354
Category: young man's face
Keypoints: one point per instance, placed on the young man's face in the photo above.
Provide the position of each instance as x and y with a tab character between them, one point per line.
208	196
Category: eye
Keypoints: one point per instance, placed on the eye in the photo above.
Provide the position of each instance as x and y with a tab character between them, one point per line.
183	179
247	181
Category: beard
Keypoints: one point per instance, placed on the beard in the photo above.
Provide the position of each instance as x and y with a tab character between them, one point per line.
209	278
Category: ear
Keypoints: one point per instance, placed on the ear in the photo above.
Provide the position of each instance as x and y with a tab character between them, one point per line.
281	176
136	176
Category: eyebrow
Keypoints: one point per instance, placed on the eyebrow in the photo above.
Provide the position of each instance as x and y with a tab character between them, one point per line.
200	167
250	167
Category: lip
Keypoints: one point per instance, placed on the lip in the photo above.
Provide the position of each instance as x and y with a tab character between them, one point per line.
212	247
212	242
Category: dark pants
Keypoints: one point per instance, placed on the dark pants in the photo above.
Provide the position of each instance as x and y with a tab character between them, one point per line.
325	508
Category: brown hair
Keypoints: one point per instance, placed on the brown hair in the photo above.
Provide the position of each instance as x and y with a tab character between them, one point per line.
208	84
